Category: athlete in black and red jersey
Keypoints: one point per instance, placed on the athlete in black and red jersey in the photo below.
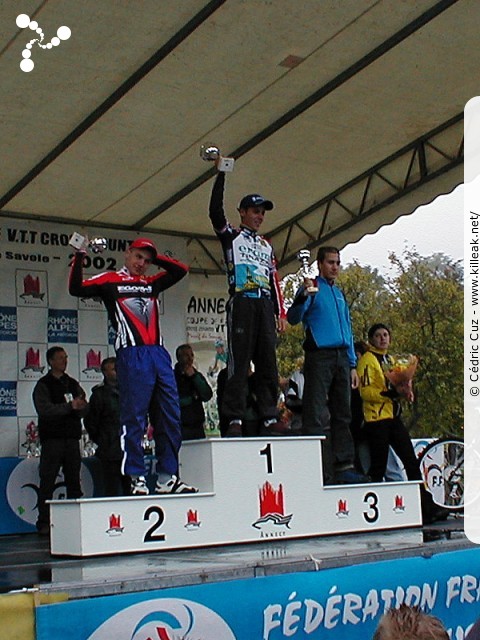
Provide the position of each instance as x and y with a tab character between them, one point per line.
254	311
144	368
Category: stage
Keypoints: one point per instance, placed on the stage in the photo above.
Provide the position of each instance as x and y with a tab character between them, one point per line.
263	551
26	562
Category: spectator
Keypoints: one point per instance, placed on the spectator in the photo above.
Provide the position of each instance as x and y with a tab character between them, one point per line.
409	623
382	414
394	471
144	367
102	423
329	367
255	301
60	403
193	391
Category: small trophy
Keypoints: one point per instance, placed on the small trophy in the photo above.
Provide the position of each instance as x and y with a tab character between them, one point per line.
211	153
303	256
95	245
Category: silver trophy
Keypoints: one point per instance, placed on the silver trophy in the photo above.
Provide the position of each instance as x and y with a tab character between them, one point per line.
211	153
95	245
303	256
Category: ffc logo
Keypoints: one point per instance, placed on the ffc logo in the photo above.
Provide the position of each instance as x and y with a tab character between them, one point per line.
23	21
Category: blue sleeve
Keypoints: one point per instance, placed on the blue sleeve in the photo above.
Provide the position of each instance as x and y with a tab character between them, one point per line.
299	307
352	356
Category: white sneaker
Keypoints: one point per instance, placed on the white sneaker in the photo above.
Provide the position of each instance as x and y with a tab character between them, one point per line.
174	485
138	486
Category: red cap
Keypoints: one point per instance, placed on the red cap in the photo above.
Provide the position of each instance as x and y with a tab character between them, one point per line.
145	243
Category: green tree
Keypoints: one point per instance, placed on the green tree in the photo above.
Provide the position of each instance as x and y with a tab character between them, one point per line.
289	348
427	320
367	296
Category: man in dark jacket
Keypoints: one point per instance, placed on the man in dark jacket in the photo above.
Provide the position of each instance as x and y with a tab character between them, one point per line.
102	423
193	391
60	404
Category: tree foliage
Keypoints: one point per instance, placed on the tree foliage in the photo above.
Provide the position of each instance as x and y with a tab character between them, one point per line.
422	303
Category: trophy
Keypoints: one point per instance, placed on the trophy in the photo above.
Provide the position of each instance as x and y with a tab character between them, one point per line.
95	245
303	256
211	153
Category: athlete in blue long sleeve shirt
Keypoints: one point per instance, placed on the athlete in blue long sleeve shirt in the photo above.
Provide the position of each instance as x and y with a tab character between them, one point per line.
329	367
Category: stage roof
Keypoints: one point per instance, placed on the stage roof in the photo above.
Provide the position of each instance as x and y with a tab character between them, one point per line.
347	114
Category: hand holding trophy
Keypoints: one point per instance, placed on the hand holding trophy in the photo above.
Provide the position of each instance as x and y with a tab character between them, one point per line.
211	153
303	256
82	243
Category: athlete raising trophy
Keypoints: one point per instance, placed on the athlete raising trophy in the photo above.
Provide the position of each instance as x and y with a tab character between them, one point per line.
211	153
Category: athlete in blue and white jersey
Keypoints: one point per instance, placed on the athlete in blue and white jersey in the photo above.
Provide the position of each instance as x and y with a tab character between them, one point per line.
254	311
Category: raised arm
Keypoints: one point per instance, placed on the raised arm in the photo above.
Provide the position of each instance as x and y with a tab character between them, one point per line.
173	272
79	287
216	211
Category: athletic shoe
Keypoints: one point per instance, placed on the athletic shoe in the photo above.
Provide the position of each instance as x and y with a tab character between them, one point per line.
234	429
174	485
138	486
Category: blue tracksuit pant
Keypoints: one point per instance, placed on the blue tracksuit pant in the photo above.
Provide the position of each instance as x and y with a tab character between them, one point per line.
147	386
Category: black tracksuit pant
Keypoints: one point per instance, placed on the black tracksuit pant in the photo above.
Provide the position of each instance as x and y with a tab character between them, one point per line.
252	337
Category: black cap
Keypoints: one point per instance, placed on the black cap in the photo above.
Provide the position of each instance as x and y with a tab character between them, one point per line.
255	200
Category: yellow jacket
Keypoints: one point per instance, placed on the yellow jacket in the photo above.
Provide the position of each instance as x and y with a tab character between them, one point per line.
372	383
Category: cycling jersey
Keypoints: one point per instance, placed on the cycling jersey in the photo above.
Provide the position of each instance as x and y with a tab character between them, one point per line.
249	257
131	301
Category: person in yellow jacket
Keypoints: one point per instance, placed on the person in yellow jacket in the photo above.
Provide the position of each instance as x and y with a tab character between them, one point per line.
383	426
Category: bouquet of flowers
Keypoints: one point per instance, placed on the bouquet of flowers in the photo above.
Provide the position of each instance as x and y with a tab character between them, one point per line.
399	371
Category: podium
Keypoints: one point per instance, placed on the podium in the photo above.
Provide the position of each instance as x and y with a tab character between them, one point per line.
250	490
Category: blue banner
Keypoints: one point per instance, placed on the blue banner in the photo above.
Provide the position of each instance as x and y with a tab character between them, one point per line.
62	326
331	604
8	398
8	324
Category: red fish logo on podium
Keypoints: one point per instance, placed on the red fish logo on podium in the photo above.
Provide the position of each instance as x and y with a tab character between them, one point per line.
399	505
342	509
115	525
272	508
192	520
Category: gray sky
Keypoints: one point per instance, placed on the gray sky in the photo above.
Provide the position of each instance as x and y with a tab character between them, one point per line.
433	228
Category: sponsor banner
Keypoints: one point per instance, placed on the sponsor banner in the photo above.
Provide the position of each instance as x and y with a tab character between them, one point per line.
37	312
8	324
8	398
62	326
332	604
205	318
19	487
